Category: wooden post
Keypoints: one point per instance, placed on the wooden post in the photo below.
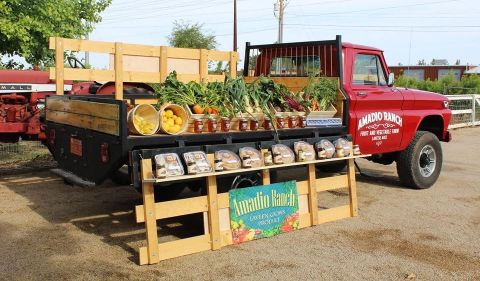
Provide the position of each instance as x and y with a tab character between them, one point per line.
265	176
233	64
352	188
149	211
163	63
59	65
118	71
312	194
213	215
203	65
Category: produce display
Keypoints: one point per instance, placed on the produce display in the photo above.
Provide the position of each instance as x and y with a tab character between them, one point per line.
197	162
251	158
168	165
236	105
171	122
282	154
304	151
325	149
143	125
343	146
228	160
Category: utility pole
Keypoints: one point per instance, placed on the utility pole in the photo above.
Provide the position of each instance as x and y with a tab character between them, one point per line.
234	25
279	7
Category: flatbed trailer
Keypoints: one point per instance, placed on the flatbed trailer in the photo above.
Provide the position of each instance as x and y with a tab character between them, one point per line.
88	135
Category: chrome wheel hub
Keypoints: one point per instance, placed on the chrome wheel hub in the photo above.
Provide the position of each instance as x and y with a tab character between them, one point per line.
427	161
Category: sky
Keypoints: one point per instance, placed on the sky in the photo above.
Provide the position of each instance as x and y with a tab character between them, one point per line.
406	30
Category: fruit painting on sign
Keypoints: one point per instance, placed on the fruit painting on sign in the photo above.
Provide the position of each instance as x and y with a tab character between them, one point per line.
263	211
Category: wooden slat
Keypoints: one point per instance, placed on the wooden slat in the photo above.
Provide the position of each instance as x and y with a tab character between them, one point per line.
118	71
178	248
265	177
141	76
213	217
149	213
333	214
188	77
218	55
331	183
175	208
85	45
84	74
97	109
226	237
223	200
233	64
98	124
216	77
203	65
146	101
302	187
312	194
59	65
163	63
305	220
352	186
183	53
141	50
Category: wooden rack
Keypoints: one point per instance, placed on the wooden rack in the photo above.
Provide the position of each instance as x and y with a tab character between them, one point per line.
215	207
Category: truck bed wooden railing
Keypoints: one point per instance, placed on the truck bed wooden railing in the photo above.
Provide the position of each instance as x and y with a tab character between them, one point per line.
169	59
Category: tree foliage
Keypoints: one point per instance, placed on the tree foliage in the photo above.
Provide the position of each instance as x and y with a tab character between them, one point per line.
186	35
26	25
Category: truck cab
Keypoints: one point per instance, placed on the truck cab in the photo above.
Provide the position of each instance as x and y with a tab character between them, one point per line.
393	124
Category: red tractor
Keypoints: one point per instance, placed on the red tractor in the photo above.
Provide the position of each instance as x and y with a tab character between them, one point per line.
22	97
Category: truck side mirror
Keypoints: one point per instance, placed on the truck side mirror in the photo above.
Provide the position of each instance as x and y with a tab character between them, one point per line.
391	79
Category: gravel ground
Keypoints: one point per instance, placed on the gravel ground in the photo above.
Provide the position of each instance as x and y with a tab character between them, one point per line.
49	230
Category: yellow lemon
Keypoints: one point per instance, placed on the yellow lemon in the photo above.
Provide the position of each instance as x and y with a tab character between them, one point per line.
175	128
170	122
168	113
178	121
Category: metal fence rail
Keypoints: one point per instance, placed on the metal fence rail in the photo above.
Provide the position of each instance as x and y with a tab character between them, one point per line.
465	110
21	151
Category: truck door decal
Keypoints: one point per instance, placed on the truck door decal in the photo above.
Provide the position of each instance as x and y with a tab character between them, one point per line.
378	126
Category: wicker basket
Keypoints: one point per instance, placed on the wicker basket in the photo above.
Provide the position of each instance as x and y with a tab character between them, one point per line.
178	111
147	112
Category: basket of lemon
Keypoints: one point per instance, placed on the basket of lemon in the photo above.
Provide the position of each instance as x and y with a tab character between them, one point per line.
173	119
143	120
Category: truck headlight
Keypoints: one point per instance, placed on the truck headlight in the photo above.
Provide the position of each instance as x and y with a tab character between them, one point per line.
446	103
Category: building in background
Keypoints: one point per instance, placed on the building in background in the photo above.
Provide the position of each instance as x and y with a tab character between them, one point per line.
430	72
473	71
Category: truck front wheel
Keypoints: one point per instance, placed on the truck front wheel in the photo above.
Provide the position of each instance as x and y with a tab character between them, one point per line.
419	165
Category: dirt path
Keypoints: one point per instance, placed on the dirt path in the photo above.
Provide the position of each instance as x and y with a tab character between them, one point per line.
49	230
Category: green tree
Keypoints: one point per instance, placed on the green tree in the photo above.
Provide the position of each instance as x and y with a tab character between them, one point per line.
26	25
186	35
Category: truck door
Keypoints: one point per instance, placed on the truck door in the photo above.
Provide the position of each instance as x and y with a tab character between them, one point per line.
377	108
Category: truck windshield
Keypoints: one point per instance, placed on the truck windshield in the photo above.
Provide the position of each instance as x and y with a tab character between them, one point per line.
368	71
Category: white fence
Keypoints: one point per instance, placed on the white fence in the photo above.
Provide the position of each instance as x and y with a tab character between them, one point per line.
465	110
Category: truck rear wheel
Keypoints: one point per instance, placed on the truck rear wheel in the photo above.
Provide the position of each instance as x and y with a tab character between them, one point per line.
419	165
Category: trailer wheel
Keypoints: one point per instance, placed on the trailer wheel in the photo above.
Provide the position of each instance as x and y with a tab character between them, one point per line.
419	165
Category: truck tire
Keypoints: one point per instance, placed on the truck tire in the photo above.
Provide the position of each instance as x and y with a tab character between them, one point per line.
419	165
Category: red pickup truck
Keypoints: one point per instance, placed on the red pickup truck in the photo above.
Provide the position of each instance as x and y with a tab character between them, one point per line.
393	124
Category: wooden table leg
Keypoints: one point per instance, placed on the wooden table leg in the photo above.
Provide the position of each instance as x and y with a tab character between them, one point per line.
213	216
312	194
149	209
352	188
